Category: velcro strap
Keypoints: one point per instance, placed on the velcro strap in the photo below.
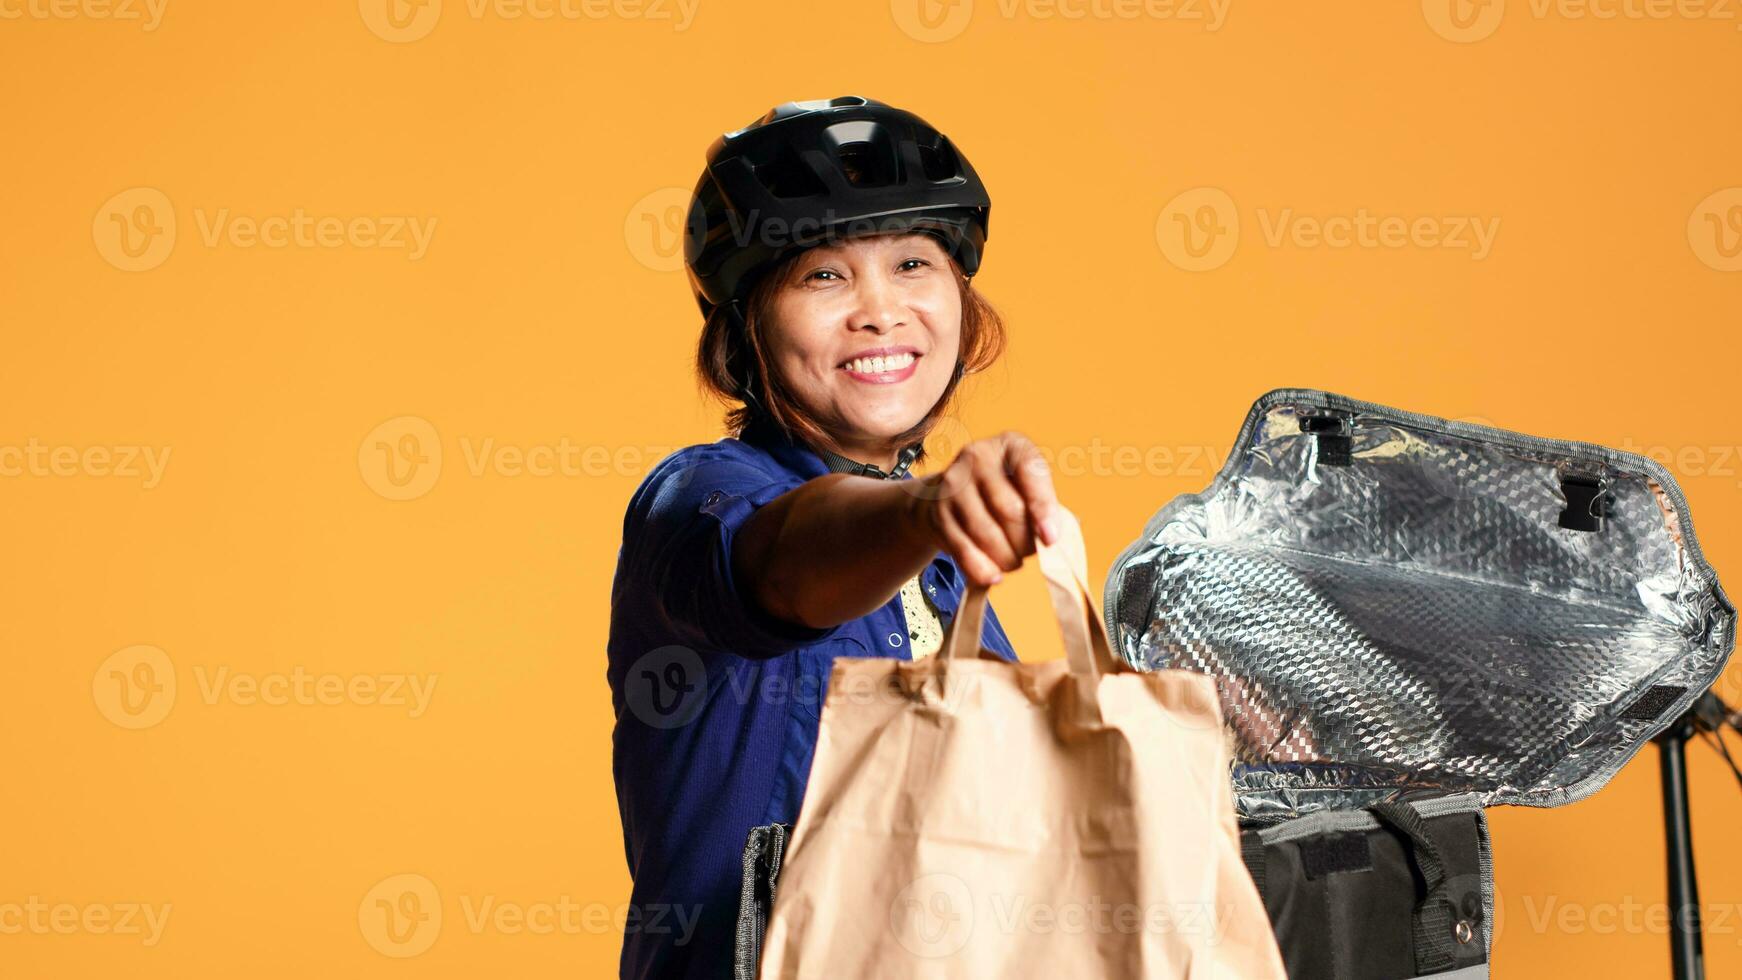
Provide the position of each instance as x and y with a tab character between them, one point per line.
1332	853
1252	852
1432	923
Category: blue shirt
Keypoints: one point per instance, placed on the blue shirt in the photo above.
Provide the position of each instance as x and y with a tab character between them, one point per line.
717	703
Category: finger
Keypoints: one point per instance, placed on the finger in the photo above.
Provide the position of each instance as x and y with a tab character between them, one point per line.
971	513
1004	501
1033	479
979	569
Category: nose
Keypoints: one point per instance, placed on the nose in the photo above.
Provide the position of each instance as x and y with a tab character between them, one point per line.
881	306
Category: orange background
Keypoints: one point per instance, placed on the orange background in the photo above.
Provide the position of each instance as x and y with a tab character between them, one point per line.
548	310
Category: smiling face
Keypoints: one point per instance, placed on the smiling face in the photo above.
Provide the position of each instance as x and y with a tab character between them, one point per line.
866	334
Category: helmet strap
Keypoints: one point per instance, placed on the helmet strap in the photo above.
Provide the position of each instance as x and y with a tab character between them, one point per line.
746	391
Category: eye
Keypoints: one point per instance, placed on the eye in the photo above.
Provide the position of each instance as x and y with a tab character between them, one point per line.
911	264
818	273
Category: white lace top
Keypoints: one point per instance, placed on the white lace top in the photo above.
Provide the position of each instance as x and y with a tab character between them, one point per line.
924	630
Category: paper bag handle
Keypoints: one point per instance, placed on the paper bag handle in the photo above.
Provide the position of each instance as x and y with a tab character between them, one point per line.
1065	566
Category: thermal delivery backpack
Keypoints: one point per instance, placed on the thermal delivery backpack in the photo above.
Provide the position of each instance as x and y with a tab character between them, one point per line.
1411	619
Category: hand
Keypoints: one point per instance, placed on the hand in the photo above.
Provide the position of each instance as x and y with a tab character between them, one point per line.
988	506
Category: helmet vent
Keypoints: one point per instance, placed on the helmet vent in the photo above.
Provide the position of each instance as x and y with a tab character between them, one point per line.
787	176
866	153
939	161
865	167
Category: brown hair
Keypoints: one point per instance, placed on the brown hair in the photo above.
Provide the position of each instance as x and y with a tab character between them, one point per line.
726	355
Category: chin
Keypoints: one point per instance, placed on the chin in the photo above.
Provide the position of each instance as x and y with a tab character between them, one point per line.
878	416
884	425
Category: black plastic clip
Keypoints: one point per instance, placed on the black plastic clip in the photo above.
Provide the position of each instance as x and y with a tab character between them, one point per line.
1336	443
1587	502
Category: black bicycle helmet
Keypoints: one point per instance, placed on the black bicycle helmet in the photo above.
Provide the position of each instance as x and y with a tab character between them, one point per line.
809	172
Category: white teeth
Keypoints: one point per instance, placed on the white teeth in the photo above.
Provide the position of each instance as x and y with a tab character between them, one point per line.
879	365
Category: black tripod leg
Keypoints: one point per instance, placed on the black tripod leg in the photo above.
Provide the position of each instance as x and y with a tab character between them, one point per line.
1687	947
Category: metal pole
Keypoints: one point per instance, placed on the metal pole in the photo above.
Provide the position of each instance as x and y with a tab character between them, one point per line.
1687	946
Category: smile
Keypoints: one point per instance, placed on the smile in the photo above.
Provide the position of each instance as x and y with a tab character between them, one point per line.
882	369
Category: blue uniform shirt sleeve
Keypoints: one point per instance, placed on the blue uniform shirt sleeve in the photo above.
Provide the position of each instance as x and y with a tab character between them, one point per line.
681	525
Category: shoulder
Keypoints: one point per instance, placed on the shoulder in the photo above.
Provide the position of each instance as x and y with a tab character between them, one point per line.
724	480
721	455
727	465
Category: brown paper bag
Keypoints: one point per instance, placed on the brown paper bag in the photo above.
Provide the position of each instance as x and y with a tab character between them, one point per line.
976	819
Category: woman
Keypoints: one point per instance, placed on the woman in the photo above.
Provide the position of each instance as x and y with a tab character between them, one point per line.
830	245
